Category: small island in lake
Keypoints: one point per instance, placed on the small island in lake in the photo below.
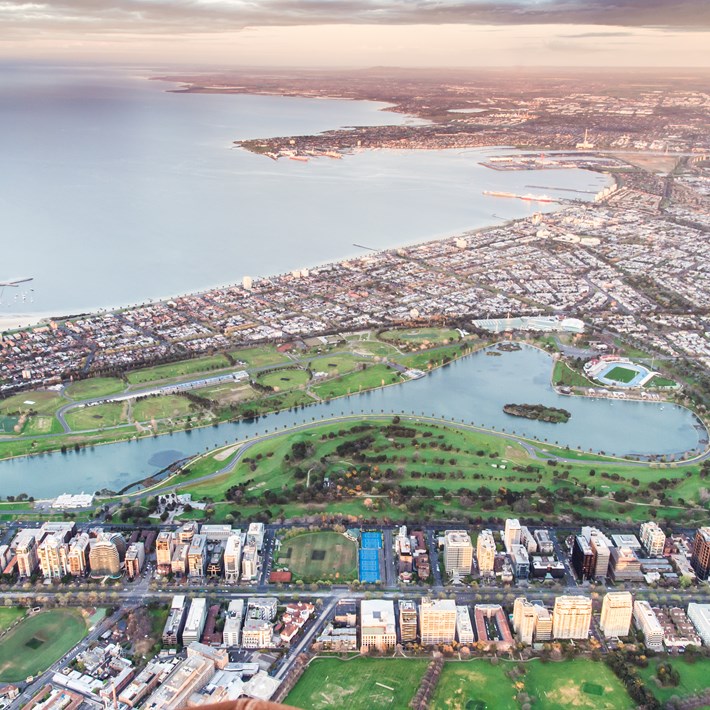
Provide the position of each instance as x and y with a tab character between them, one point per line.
538	411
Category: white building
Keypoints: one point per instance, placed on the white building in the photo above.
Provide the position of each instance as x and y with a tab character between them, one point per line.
512	533
233	558
377	624
195	623
458	552
617	610
233	623
647	621
653	539
699	614
464	627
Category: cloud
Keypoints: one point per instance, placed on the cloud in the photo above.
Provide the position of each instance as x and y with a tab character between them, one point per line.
595	35
167	16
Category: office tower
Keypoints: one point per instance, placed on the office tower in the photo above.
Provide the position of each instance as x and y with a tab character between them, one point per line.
653	539
617	610
464	627
377	626
77	558
407	620
164	550
524	619
197	556
437	621
512	533
486	552
647	621
195	623
103	559
52	555
700	559
571	617
583	561
458	552
26	552
233	623
233	558
135	557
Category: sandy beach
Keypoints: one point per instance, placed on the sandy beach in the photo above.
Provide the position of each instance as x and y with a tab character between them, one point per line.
11	321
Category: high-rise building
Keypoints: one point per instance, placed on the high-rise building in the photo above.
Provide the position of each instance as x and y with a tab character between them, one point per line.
377	625
545	545
263	608
25	544
255	535
520	561
186	532
407	620
53	554
532	622
188	677
233	623
175	623
195	623
164	550
135	557
486	552
700	559
437	621
512	533
233	558
250	563
617	610
104	560
647	621
257	633
78	559
699	614
653	539
624	566
571	617
458	552
464	627
178	563
197	556
583	560
601	547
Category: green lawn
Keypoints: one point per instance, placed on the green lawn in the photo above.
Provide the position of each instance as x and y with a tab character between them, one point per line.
160	407
374	376
178	369
564	376
580	683
461	685
621	374
319	556
421	336
96	416
40	401
693	678
659	381
39	641
8	616
94	387
260	356
283	379
358	684
336	364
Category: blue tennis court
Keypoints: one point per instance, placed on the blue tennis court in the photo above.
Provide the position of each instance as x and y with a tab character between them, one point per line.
369	567
371	541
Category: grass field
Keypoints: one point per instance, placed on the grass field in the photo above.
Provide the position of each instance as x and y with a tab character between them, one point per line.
260	356
96	416
374	376
39	641
161	407
177	369
563	375
580	683
693	678
421	336
283	379
8	616
463	684
336	364
94	387
621	374
359	684
39	401
320	556
658	381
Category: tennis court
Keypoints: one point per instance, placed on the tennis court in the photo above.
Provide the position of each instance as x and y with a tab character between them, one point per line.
369	557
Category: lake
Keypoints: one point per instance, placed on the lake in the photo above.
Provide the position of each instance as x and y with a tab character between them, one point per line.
473	389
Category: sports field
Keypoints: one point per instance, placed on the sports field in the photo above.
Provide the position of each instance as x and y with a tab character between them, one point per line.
320	556
581	684
693	678
474	684
36	643
359	684
283	379
621	374
9	615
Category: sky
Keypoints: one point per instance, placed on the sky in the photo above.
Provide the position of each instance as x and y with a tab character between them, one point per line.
349	33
